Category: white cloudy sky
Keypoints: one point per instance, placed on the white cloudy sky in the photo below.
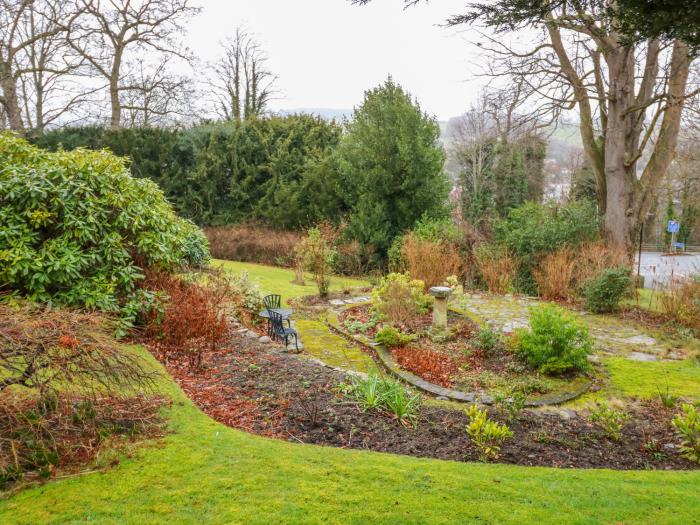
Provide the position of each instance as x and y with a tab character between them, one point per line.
328	52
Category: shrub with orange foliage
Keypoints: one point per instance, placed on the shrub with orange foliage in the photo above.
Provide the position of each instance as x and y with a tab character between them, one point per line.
555	274
430	261
192	319
498	268
592	258
428	364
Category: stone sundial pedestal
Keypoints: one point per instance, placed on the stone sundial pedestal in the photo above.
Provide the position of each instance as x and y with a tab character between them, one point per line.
441	295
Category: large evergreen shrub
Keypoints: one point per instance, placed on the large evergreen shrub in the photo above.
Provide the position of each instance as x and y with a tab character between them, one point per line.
77	229
533	230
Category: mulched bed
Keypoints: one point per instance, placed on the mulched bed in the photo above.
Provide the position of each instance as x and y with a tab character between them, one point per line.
257	388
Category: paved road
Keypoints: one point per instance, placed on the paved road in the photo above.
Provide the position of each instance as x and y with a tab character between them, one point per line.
658	268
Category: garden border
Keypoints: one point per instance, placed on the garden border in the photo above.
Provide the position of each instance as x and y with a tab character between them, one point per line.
388	362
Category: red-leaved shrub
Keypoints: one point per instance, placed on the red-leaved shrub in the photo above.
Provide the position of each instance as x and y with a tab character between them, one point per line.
192	319
428	364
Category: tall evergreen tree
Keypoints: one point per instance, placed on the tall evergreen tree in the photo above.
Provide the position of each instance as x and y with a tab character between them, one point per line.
391	167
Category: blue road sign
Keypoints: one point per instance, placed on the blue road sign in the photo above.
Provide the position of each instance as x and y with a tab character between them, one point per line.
680	245
673	227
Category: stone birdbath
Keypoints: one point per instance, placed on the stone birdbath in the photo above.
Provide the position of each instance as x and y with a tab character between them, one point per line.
441	295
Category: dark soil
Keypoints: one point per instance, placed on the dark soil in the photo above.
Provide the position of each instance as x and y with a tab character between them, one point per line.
258	388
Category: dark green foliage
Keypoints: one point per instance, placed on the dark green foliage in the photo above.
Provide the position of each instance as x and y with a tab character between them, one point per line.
392	337
584	185
533	230
497	177
556	341
277	171
604	292
77	229
390	165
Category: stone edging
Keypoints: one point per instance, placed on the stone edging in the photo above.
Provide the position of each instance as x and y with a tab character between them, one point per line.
388	362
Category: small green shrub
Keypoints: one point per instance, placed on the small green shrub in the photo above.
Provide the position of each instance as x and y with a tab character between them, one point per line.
398	298
688	426
609	419
487	339
510	403
604	292
486	434
391	337
556	341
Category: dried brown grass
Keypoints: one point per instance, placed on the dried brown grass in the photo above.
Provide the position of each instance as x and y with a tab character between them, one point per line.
498	268
592	258
555	274
431	262
682	301
253	244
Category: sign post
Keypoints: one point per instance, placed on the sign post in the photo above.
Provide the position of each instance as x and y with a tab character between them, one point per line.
673	228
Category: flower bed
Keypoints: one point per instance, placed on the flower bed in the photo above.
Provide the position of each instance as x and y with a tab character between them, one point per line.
460	363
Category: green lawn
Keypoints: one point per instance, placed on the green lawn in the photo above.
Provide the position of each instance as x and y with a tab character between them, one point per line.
646	299
273	279
207	473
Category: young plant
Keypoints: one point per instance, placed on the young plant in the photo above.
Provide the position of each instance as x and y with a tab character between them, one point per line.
510	403
487	339
392	338
667	399
609	419
318	256
400	402
486	434
687	424
368	393
556	342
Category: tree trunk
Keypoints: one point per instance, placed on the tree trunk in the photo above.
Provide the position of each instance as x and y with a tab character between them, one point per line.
620	175
9	98
115	103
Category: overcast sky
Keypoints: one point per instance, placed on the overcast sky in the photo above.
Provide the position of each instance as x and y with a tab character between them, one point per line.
328	52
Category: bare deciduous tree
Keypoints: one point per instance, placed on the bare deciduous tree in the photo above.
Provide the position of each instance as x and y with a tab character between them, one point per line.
629	98
110	30
25	27
242	83
152	96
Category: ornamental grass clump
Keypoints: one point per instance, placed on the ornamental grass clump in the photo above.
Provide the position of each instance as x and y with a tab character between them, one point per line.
79	230
379	393
556	342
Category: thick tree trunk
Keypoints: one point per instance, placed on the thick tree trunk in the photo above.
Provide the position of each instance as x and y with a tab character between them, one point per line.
9	98
620	174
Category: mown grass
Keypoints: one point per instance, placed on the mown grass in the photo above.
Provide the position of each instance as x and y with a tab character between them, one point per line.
645	379
273	279
209	474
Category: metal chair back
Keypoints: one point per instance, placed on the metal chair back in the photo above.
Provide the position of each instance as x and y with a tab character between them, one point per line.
272	301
